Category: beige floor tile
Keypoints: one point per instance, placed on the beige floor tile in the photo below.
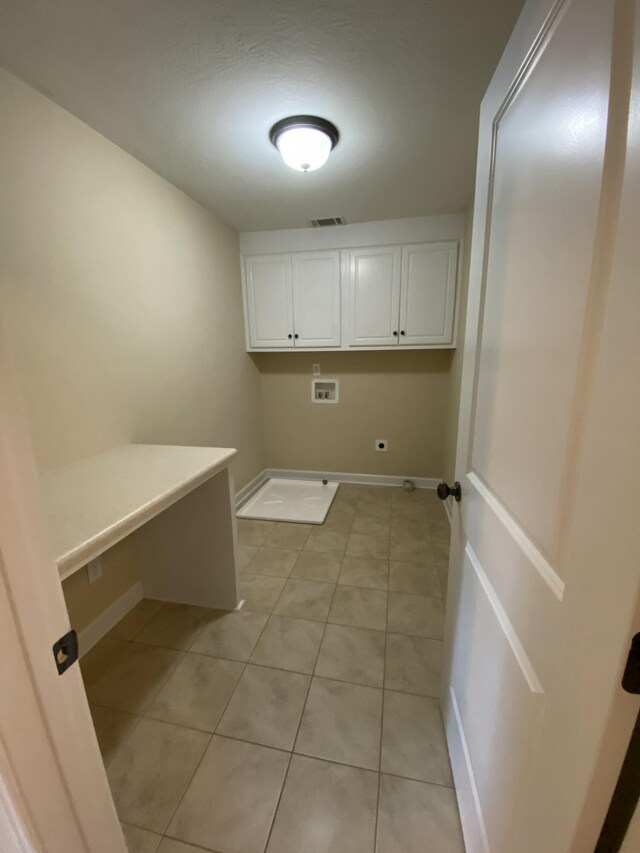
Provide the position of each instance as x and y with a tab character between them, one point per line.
151	770
415	511
371	525
112	727
414	813
363	545
341	722
135	620
370	506
315	566
266	707
232	798
171	845
305	600
230	634
352	654
289	644
244	555
254	532
326	541
413	739
197	693
140	840
325	808
288	535
414	578
413	665
415	614
273	561
260	592
361	608
134	681
411	549
175	627
441	552
417	528
340	517
364	571
101	657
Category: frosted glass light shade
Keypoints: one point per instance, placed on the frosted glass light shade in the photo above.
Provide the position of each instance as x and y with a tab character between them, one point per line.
304	148
304	142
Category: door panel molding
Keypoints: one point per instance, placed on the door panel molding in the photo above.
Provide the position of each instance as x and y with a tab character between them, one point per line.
520	536
526	667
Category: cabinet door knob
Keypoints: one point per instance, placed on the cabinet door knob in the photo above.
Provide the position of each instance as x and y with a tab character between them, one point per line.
289	336
296	337
402	332
395	334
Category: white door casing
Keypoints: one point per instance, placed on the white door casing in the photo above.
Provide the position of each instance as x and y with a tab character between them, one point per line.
316	299
269	300
374	289
546	546
427	293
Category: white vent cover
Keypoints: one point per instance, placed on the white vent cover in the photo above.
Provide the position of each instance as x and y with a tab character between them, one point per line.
328	220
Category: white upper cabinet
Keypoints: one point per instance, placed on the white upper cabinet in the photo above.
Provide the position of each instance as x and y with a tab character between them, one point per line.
269	301
372	285
428	293
316	299
374	296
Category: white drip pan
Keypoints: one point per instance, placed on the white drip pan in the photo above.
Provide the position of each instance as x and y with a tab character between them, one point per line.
305	501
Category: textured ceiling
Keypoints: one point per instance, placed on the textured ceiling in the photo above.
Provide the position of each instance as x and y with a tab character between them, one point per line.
191	88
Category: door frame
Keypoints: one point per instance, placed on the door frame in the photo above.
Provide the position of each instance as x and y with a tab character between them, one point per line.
622	708
54	795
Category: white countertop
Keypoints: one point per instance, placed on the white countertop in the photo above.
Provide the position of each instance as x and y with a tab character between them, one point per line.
94	503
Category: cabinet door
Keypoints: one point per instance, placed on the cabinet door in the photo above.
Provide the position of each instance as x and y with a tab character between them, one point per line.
269	300
374	299
428	293
316	299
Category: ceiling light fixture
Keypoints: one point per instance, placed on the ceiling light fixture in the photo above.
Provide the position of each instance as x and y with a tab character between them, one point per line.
304	142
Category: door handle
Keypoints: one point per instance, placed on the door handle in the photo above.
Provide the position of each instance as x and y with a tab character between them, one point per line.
444	490
631	676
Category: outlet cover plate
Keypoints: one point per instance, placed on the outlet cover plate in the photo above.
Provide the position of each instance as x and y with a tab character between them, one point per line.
94	570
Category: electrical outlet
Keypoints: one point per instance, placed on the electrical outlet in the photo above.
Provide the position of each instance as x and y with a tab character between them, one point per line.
316	370
382	445
94	570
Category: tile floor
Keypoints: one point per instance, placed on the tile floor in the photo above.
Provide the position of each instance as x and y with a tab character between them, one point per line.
308	722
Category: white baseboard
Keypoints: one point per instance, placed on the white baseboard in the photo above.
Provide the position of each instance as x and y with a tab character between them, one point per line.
108	619
471	818
358	479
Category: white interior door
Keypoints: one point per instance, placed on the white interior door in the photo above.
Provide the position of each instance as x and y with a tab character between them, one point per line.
545	568
269	300
316	299
427	293
54	796
374	290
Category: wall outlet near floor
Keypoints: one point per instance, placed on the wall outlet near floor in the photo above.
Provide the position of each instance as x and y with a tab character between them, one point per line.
382	445
94	570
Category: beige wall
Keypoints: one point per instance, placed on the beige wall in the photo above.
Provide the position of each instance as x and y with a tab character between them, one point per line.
400	396
122	305
120	297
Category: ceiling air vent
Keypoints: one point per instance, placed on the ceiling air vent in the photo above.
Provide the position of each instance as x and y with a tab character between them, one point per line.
328	220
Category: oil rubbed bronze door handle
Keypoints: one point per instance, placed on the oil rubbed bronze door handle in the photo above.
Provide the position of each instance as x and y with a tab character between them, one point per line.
444	490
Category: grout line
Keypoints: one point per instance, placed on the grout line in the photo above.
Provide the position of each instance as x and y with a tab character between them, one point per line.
306	699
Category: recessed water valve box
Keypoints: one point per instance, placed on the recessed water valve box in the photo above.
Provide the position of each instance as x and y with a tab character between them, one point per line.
325	390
